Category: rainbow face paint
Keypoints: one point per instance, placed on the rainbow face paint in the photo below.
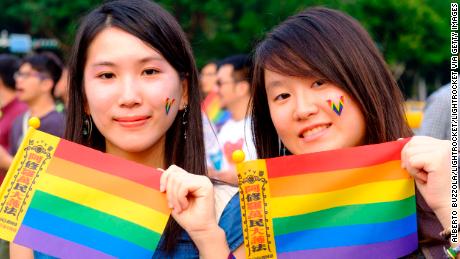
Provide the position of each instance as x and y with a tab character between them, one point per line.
337	108
168	104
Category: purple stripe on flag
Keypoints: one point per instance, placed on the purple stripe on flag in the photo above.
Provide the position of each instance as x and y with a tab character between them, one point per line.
389	249
55	246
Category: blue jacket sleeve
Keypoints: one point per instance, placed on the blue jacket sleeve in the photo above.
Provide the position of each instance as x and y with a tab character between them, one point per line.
230	222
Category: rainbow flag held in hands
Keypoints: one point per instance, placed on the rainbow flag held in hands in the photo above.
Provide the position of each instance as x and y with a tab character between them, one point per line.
67	200
212	107
348	203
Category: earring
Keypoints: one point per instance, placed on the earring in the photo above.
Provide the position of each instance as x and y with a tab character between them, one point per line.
185	121
87	126
281	148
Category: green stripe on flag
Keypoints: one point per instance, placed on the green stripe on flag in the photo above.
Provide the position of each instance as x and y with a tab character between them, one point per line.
346	215
95	219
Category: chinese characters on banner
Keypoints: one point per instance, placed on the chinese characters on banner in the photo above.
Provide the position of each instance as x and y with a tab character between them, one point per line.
257	223
19	191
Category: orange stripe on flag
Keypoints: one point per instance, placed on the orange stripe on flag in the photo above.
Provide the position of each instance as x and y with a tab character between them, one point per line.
110	184
335	180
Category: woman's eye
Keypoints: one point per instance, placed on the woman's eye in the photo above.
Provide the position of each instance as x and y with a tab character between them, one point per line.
282	96
149	72
106	75
319	83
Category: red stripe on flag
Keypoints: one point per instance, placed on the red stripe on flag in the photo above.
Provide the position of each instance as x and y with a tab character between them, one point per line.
347	158
107	163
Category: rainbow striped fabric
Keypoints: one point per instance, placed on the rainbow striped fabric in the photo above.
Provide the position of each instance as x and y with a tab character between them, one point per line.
67	200
212	107
348	203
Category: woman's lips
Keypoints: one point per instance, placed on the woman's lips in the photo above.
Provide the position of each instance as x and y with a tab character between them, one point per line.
314	132
132	121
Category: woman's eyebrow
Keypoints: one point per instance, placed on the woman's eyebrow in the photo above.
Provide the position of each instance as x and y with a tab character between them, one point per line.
103	63
142	60
151	58
275	83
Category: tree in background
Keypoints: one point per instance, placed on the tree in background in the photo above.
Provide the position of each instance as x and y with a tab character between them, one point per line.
45	18
412	34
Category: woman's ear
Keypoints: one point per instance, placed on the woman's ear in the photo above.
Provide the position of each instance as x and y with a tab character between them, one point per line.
86	108
85	102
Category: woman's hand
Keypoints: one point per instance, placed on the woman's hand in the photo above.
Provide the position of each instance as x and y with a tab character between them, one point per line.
427	160
191	197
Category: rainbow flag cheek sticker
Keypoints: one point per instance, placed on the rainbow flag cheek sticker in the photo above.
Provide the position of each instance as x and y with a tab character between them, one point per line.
337	108
348	203
70	201
168	103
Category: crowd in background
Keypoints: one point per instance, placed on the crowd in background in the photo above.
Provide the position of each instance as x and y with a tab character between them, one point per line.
37	84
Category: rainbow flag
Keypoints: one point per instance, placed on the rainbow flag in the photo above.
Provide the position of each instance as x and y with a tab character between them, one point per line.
348	203
67	200
212	107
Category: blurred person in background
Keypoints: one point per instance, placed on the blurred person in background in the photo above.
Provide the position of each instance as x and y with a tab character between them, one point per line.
35	81
207	81
233	88
436	117
208	78
215	114
61	91
11	108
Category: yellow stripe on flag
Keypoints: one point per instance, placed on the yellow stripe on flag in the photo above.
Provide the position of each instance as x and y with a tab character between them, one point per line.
362	194
104	202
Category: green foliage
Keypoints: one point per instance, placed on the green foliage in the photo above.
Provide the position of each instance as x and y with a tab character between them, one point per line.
221	28
413	35
44	18
410	32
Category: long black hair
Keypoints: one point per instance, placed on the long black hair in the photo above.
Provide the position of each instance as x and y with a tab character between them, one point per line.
157	28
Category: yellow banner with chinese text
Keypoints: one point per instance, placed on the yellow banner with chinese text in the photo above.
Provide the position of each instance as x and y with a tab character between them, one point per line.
257	222
18	187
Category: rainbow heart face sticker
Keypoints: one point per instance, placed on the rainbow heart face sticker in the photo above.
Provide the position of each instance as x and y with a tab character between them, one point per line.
337	108
169	103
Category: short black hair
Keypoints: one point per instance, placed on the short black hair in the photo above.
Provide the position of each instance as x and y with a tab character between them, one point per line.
9	64
47	63
242	65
